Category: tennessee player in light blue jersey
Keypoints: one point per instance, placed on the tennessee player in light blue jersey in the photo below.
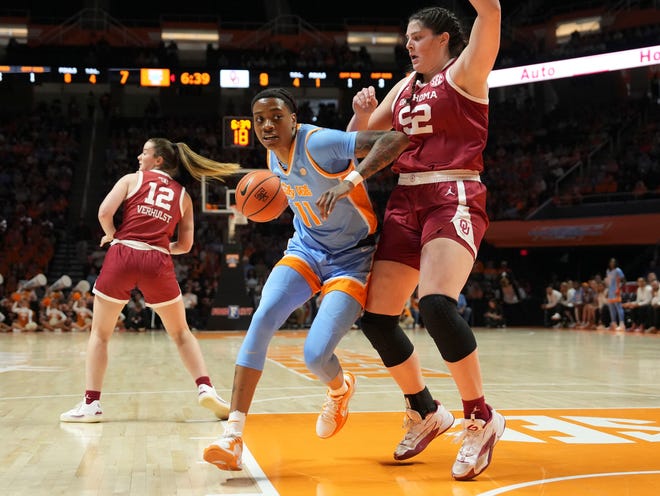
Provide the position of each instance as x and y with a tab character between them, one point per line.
327	254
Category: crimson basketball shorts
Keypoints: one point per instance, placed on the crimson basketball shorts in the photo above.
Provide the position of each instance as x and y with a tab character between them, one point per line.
125	269
415	215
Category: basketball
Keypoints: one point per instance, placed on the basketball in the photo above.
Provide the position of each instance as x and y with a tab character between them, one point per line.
259	196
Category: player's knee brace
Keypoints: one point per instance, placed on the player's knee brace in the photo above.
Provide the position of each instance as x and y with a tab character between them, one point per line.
452	335
387	338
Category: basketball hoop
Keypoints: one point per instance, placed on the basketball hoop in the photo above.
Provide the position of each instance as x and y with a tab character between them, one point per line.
234	219
213	203
239	218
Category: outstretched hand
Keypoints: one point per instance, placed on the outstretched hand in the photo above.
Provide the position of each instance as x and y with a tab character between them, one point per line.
328	199
365	101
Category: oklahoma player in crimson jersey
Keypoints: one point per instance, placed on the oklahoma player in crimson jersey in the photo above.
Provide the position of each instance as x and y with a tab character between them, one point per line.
154	206
434	222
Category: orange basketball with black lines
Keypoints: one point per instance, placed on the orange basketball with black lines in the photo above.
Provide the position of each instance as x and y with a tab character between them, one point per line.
259	196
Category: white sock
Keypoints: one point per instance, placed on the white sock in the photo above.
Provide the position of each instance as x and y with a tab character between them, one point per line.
235	423
340	390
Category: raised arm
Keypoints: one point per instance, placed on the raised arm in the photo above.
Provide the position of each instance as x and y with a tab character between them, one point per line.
474	64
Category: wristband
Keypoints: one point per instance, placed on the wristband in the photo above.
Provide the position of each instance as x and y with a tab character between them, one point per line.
355	177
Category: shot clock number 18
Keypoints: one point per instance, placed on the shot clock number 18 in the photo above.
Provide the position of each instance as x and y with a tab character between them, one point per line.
238	132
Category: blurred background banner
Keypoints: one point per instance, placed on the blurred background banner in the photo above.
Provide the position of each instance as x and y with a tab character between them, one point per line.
596	231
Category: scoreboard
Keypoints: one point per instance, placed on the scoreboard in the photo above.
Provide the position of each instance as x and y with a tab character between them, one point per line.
326	79
297	78
161	77
237	132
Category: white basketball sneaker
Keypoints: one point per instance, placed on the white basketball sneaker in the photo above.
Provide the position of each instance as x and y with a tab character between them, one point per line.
209	398
84	412
421	431
479	439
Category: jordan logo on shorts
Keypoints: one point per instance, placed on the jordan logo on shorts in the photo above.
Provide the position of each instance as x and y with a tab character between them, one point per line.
450	192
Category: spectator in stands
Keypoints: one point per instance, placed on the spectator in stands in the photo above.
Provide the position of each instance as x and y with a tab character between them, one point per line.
138	316
494	317
590	305
511	296
603	313
578	301
52	317
82	315
253	286
25	320
464	309
655	308
551	307
640	309
566	304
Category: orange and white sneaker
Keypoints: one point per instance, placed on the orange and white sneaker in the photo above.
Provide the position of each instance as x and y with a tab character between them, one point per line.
226	452
335	410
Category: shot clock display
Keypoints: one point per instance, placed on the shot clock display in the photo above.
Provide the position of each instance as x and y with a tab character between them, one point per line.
237	132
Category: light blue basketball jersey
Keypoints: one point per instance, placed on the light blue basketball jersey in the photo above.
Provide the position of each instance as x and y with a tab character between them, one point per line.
319	159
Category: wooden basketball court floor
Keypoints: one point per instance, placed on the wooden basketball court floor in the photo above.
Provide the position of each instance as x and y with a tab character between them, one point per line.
582	410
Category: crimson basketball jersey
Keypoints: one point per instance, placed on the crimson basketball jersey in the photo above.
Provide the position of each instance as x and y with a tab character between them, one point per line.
447	127
152	210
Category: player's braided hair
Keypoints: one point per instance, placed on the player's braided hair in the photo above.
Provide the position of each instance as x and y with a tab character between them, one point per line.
280	93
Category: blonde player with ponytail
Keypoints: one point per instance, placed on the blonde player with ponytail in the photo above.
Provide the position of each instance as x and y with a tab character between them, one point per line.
156	207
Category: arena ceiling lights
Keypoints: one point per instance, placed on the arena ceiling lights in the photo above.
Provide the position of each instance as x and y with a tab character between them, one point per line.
370	38
17	31
188	38
585	25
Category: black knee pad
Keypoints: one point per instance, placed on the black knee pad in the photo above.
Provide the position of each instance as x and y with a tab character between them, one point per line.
452	335
387	337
